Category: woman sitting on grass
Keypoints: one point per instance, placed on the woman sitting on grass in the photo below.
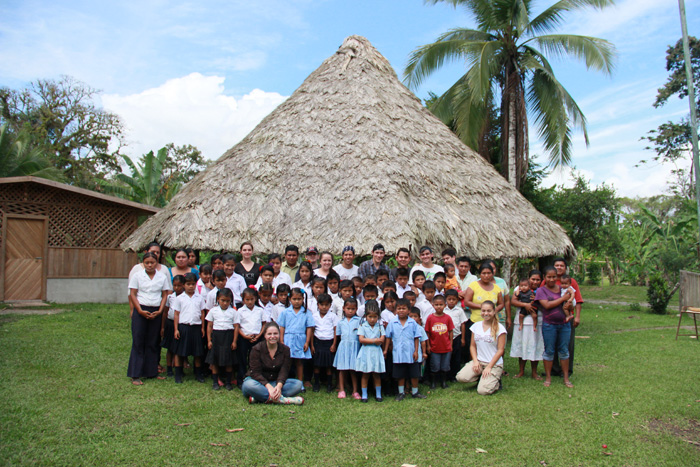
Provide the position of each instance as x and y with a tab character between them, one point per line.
270	362
487	348
556	329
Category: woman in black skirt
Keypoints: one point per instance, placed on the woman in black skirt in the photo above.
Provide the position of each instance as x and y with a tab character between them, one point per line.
148	290
220	343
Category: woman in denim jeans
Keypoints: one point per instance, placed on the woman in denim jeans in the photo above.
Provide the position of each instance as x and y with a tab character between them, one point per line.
556	329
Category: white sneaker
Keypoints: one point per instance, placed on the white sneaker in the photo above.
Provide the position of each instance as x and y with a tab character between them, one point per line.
298	400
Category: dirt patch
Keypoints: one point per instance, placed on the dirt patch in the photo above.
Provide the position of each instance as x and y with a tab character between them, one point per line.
30	311
655	328
689	434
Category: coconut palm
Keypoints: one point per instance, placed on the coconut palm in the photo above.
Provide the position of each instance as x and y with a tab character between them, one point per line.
19	158
506	58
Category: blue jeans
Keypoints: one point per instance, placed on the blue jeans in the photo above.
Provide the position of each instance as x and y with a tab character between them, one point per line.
259	392
556	339
440	361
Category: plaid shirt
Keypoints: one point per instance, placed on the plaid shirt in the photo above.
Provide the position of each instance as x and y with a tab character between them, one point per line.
368	268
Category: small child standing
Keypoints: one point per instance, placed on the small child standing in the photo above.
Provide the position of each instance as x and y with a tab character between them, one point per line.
234	282
403	337
370	359
439	279
249	328
282	301
347	350
324	334
189	328
345	290
204	284
423	354
525	295
439	328
426	305
369	292
459	318
417	285
296	330
219	282
167	330
265	294
220	342
402	282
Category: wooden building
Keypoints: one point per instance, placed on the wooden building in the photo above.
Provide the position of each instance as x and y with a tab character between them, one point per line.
61	243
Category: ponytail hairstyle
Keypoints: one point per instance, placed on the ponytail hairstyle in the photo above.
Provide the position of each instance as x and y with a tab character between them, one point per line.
251	291
494	323
282	288
150	254
298	290
389	295
265	288
371	307
224	293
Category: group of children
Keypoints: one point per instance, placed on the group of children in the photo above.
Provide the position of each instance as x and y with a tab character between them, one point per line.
396	333
332	326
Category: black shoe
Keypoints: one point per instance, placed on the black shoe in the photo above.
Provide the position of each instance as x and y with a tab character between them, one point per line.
400	397
178	375
363	400
215	387
317	387
303	389
379	399
329	388
418	395
443	384
199	377
229	387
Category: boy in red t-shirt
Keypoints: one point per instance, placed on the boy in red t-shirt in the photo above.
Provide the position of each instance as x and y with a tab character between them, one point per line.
439	327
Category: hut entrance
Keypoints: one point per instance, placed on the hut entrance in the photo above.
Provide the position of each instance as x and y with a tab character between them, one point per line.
25	252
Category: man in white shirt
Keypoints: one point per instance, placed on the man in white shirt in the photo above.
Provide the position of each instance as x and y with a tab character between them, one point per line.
347	269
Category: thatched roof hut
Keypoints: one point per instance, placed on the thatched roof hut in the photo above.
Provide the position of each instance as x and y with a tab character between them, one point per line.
353	157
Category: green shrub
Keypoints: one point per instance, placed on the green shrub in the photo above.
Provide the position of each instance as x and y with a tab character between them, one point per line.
593	273
658	294
635	307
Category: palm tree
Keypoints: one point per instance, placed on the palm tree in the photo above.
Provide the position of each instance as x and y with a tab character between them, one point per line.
19	158
147	183
502	61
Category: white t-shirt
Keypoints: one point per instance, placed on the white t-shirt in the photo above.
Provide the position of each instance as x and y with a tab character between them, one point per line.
222	319
277	311
426	309
386	317
325	327
346	274
429	272
149	292
201	288
319	273
169	304
282	278
563	291
486	346
249	320
267	312
401	290
236	284
458	317
159	267
301	285
190	308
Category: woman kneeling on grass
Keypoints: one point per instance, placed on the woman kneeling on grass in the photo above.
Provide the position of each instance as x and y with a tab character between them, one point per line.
487	348
556	329
266	380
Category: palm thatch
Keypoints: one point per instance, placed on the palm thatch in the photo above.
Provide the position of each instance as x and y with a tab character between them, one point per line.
353	158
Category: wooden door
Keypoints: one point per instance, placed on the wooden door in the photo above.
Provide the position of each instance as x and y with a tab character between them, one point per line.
25	246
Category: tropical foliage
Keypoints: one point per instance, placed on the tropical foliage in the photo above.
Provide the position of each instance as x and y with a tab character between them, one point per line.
18	157
506	59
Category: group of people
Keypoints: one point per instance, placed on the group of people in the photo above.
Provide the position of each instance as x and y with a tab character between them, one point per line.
270	328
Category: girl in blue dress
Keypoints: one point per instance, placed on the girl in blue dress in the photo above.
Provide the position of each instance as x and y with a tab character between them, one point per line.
297	329
370	360
347	349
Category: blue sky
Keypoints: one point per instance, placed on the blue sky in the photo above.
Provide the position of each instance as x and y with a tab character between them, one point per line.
205	73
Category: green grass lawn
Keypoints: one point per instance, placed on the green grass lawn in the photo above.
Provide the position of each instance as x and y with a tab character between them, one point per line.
65	400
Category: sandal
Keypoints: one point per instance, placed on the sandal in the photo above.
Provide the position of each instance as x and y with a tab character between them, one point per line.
568	384
136	382
341	395
547	384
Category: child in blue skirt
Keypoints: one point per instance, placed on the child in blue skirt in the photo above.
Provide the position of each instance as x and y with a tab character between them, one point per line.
348	348
370	359
297	329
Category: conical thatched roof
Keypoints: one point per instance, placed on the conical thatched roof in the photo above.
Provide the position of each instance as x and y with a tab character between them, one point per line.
353	158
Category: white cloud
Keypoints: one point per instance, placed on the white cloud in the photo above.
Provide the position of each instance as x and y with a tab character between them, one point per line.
190	110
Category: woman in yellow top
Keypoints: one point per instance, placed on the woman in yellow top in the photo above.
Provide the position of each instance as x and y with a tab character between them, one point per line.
480	291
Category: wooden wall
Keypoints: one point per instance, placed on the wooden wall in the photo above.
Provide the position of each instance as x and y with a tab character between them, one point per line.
89	262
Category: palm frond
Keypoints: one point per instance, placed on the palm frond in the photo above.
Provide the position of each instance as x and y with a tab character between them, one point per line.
596	53
553	17
450	46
